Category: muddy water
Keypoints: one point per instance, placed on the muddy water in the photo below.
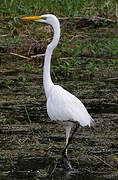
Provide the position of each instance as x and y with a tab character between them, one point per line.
31	145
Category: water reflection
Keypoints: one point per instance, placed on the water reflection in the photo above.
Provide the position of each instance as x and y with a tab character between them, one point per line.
49	169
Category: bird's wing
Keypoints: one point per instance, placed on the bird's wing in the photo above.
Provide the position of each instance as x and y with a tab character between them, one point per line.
63	106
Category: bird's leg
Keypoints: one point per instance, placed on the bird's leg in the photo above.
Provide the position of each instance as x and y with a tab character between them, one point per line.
70	139
68	129
64	152
66	149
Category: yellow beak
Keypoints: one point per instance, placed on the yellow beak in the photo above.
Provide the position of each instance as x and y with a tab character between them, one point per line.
31	18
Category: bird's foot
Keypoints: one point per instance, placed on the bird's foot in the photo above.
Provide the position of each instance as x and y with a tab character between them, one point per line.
65	161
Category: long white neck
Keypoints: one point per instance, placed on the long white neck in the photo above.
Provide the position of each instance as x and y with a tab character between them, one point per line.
47	82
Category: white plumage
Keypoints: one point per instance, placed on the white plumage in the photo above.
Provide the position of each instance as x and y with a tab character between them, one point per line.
62	106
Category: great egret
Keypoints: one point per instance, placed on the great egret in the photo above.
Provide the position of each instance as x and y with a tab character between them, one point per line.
62	106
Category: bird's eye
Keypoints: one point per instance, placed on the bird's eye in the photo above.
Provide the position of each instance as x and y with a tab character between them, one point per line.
44	18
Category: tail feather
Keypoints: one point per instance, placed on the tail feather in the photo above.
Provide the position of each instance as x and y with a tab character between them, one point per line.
92	124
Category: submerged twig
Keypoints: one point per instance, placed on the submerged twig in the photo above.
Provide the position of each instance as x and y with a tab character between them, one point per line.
102	161
28	117
25	57
94	18
38	55
27	114
114	78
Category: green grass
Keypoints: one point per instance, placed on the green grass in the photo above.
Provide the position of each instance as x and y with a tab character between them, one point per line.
97	47
12	8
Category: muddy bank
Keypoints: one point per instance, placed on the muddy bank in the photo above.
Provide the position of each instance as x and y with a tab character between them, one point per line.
30	144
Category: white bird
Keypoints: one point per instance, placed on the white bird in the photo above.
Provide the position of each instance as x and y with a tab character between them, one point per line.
62	106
